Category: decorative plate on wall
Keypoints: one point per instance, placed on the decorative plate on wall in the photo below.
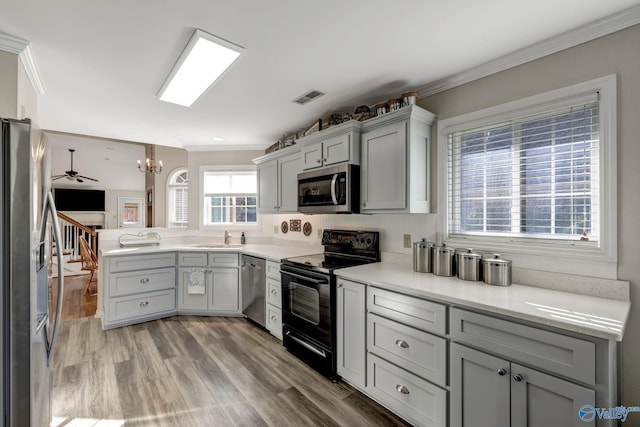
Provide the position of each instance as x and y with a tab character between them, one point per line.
306	228
295	225
284	227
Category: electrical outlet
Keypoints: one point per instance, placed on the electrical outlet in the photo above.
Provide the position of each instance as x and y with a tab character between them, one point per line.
406	238
319	233
275	229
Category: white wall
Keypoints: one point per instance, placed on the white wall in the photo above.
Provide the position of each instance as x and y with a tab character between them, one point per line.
616	53
172	159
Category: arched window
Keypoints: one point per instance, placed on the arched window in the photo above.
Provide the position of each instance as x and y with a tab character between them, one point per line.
178	199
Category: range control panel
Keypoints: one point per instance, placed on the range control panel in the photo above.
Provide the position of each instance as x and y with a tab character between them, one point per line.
352	240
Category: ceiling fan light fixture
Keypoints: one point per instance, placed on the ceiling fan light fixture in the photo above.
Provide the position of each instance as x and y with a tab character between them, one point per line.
204	60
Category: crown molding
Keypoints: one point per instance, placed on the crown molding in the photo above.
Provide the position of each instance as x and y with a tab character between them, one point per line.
32	70
225	147
22	48
12	44
583	34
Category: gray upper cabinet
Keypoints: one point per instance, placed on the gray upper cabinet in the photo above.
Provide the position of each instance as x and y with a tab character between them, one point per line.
338	144
278	182
395	163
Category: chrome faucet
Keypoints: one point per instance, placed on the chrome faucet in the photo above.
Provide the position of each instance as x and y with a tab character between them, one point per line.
227	237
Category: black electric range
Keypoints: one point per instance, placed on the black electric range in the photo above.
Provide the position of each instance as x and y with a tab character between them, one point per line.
309	295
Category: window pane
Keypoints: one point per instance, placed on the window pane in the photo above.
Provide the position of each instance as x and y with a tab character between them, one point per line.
533	176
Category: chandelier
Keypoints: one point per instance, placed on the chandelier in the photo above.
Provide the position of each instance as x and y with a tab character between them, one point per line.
150	166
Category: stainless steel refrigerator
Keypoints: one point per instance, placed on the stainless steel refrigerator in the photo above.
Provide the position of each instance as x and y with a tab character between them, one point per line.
29	320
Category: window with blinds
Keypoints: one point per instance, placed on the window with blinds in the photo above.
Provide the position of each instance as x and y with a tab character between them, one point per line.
178	199
531	177
229	197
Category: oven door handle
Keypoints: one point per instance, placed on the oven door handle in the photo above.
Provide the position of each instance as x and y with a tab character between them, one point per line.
333	189
308	279
307	345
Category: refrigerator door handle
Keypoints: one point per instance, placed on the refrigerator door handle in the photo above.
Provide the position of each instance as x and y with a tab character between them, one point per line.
50	207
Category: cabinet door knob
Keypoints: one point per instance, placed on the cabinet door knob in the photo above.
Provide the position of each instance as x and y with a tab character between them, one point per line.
144	303
341	285
364	204
402	344
324	160
145	280
517	377
502	372
274	291
274	318
402	389
319	161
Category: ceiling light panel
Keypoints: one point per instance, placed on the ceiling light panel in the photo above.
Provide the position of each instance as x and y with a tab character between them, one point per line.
205	58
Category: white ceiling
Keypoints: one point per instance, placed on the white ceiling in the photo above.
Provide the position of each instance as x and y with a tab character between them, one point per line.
102	63
98	159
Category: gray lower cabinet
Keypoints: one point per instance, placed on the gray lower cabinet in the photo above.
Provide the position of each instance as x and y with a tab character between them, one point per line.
414	398
488	391
208	283
273	299
139	288
351	325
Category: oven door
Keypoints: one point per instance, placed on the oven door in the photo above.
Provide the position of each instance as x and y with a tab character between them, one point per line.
306	303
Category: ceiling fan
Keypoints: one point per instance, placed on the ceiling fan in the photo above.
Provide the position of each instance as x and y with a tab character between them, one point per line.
72	175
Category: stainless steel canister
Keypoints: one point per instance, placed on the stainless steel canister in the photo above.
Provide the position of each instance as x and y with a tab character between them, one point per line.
469	265
443	260
497	271
422	256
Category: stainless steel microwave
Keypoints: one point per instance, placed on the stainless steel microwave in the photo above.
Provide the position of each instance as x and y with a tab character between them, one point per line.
330	190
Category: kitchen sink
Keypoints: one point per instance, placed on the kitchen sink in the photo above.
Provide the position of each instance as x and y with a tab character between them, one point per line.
215	246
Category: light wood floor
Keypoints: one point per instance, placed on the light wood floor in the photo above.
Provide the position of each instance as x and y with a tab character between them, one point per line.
195	371
76	303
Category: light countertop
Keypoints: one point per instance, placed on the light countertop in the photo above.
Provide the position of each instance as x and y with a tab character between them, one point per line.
589	315
273	252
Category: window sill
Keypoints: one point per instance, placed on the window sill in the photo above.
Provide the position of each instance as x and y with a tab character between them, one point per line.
557	258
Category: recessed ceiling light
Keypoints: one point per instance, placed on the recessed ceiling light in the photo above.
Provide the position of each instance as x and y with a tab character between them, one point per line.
218	138
204	59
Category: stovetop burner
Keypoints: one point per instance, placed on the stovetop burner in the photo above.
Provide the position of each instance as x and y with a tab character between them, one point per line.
342	248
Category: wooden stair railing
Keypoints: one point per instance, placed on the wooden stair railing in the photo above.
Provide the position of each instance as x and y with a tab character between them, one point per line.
73	230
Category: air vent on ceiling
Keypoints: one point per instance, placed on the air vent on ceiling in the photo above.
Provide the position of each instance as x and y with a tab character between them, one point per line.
309	96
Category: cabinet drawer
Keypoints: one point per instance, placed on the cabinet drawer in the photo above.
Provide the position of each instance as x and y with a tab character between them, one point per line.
416	312
274	294
273	270
141	262
140	306
223	259
192	259
141	281
419	352
274	320
417	400
568	356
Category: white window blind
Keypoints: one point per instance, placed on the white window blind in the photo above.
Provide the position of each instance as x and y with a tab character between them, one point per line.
179	199
230	197
532	177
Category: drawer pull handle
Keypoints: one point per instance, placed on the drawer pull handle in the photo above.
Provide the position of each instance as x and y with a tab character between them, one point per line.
502	372
144	303
402	344
517	377
274	318
402	389
341	285
145	280
274	291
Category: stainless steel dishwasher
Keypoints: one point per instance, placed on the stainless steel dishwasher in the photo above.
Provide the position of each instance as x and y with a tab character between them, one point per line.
253	289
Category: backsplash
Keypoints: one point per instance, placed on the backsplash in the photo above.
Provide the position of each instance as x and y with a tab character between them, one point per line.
391	227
